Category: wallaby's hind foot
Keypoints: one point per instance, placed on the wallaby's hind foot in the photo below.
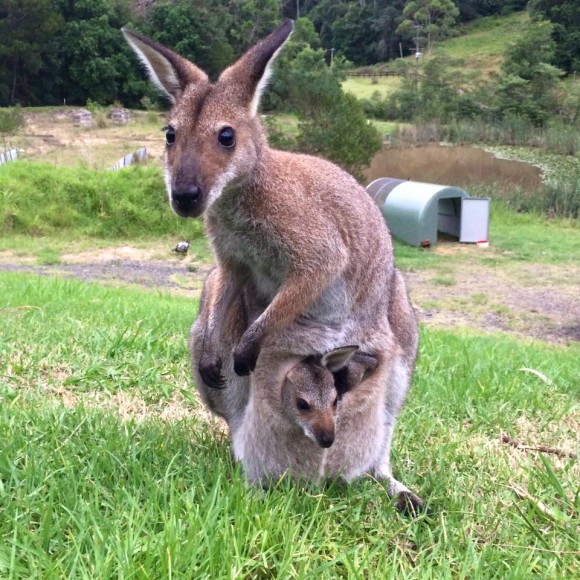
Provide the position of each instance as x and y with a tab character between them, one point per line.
409	504
406	501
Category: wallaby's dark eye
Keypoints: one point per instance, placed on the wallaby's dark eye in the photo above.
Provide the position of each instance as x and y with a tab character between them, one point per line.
302	405
169	135
227	137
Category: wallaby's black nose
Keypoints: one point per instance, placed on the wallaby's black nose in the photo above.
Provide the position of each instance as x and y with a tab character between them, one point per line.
185	200
325	439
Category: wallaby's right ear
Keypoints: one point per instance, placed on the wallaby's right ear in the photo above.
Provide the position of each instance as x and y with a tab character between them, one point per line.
169	71
251	72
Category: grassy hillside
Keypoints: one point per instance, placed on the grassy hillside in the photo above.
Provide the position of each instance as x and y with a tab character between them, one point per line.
39	199
480	47
484	41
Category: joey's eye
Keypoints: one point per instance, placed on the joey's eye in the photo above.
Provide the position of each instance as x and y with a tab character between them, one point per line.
169	135
302	405
227	137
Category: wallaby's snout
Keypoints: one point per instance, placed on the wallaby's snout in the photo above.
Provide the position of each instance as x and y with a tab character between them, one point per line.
185	201
325	437
183	176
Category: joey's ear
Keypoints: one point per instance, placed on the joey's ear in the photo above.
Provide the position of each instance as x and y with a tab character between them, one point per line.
167	70
251	72
338	358
359	367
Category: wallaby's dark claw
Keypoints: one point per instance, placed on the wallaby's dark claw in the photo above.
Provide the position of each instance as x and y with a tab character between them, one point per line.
212	376
409	504
245	358
242	368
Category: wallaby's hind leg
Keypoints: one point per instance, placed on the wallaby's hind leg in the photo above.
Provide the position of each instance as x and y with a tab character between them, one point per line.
405	500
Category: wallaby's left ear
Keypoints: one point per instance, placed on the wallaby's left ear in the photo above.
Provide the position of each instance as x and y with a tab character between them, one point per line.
338	358
250	74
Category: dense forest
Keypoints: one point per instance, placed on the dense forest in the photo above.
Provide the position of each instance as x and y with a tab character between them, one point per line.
69	51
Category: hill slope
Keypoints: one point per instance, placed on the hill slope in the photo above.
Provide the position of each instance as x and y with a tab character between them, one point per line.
480	48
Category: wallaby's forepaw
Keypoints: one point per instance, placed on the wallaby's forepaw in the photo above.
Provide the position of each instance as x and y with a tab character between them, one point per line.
211	373
245	357
409	504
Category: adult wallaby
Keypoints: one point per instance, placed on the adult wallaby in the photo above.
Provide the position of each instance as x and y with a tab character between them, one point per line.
299	231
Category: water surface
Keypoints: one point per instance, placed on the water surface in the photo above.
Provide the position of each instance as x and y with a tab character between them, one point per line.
459	166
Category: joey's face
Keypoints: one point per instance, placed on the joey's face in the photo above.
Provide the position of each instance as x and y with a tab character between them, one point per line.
310	399
210	146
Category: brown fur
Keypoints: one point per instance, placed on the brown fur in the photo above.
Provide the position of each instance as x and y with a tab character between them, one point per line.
298	233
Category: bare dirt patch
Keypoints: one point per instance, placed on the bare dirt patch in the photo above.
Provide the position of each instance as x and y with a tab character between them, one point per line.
495	299
51	136
534	300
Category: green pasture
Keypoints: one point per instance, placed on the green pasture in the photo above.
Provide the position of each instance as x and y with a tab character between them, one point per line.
98	480
366	87
482	44
479	49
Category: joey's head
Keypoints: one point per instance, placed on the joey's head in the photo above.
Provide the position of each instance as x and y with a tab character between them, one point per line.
310	397
214	137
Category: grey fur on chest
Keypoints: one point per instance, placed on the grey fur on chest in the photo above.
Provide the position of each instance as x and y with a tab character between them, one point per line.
238	238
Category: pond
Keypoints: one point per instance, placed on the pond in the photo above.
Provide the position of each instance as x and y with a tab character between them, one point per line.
459	166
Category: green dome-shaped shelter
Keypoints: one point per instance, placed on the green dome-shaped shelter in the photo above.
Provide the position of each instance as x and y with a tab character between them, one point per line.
415	212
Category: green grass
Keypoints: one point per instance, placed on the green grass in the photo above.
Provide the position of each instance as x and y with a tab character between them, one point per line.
42	200
94	483
483	42
364	88
515	238
385	127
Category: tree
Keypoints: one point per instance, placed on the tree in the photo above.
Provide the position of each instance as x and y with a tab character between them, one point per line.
435	18
528	80
25	28
195	29
332	123
253	20
88	57
11	121
565	16
436	93
341	133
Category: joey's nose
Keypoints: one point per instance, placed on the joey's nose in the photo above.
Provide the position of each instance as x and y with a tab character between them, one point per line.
325	438
186	201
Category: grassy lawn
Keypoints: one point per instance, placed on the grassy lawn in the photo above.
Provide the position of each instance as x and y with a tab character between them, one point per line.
109	467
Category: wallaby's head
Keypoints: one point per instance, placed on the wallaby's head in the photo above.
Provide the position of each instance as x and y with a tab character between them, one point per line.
312	389
214	136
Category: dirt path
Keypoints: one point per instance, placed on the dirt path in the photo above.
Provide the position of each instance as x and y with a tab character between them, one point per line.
537	301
